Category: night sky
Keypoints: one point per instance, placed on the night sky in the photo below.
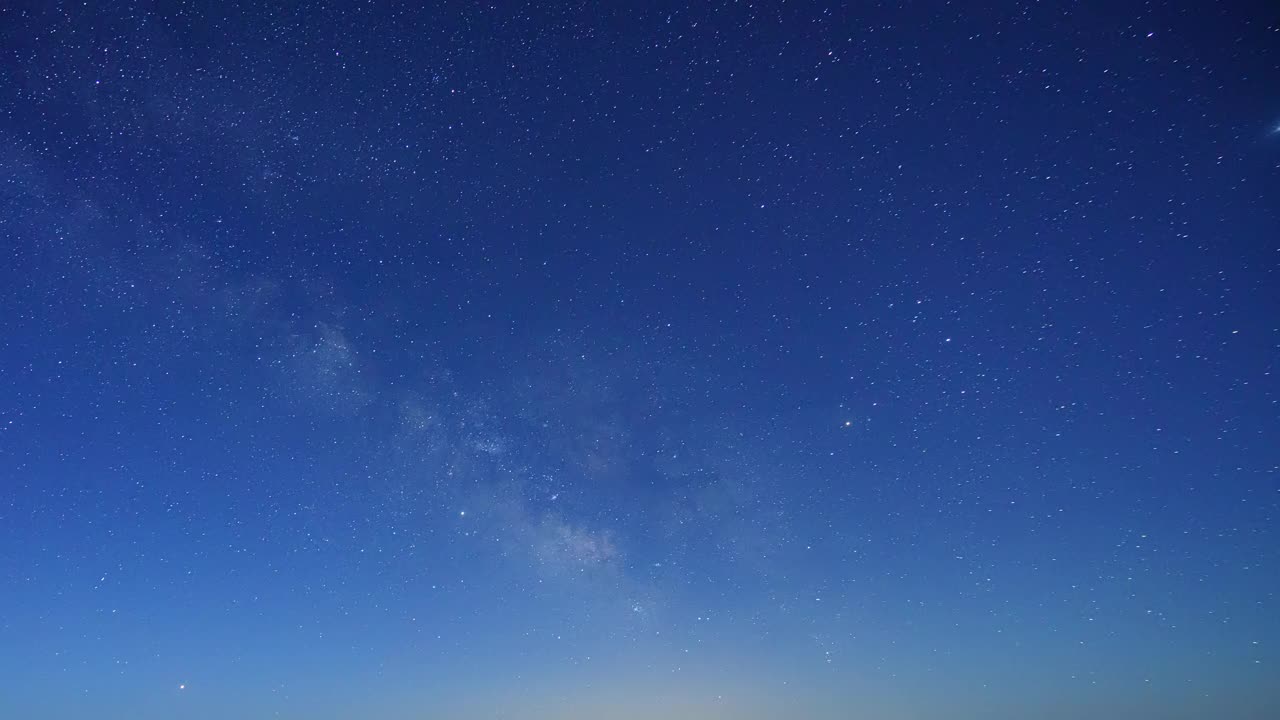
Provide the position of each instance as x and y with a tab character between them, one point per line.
639	361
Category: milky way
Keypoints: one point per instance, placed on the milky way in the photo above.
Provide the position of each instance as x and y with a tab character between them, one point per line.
638	361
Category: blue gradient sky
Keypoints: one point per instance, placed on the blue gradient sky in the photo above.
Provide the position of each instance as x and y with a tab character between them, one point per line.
581	361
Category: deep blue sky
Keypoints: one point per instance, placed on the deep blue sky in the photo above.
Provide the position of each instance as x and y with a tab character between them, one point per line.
639	361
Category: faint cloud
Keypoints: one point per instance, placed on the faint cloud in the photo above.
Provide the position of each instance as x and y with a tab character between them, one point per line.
323	366
490	446
559	545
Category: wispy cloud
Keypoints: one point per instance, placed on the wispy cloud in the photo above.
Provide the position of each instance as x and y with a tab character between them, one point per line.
560	546
323	367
